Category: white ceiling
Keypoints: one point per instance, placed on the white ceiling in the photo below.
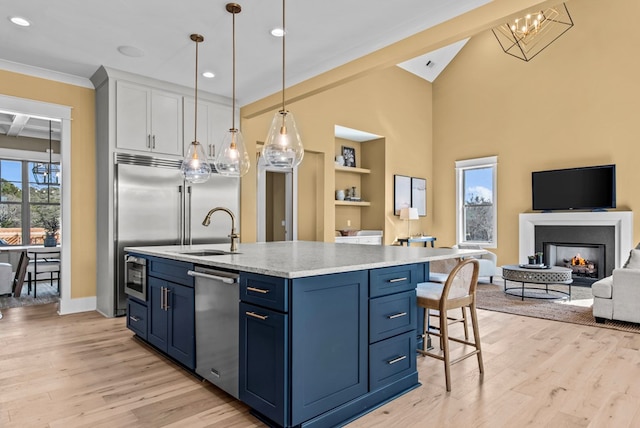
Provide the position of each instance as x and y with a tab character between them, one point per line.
75	37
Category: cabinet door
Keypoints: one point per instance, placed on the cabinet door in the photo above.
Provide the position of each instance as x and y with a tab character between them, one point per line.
166	123
205	126
220	119
132	116
158	316
181	333
329	342
263	362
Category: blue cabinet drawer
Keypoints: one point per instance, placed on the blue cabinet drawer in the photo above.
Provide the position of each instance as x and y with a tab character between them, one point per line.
170	270
392	280
392	359
137	318
392	315
268	291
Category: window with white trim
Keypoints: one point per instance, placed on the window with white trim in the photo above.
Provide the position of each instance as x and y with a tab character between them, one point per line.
477	202
27	208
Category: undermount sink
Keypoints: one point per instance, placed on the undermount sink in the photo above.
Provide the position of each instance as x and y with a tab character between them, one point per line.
202	253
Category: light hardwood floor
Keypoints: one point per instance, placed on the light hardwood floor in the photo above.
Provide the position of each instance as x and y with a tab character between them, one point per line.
85	370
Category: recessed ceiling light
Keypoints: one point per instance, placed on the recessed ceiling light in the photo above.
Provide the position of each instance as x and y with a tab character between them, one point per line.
131	51
208	74
18	20
278	32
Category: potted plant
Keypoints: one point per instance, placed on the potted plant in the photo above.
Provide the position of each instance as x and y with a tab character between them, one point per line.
51	224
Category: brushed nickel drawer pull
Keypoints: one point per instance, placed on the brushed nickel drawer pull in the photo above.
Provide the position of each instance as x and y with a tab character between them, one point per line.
397	360
254	315
257	290
134	319
398	315
398	279
166	299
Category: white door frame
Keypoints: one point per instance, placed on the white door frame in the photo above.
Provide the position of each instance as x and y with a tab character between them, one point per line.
291	200
62	114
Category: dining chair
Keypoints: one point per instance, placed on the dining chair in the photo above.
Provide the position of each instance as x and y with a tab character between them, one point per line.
42	262
458	291
21	270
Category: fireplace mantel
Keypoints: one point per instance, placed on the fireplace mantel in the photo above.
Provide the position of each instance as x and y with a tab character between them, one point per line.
622	221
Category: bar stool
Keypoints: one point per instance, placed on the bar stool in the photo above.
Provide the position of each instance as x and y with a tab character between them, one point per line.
458	291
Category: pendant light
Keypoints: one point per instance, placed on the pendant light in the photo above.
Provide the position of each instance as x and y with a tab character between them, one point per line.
283	147
233	158
195	167
47	173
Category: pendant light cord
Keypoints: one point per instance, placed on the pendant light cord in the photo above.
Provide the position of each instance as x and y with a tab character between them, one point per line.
50	150
284	36
233	90
195	121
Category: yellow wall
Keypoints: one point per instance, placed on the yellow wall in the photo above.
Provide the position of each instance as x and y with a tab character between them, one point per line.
392	103
83	204
576	104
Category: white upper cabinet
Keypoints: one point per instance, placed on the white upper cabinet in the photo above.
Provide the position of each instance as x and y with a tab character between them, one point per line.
213	121
147	119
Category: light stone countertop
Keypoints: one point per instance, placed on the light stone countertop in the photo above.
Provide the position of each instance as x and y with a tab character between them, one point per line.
298	259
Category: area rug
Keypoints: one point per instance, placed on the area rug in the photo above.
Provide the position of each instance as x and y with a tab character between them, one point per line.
46	294
578	310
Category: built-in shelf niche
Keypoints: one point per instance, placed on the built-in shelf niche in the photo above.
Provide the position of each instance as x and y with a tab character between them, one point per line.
367	176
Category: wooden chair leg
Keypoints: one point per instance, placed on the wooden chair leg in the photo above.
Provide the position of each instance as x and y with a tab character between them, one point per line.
476	335
444	331
464	323
425	329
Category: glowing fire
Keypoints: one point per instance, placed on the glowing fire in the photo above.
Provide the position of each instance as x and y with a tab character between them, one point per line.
577	260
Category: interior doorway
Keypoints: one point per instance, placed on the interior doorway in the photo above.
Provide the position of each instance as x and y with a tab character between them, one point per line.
277	203
62	115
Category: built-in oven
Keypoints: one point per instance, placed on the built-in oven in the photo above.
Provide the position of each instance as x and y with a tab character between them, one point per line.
135	276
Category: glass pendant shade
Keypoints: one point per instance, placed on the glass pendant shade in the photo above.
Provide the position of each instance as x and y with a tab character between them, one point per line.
233	158
283	146
195	167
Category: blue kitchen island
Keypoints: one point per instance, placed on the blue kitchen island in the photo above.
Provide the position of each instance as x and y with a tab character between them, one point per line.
326	332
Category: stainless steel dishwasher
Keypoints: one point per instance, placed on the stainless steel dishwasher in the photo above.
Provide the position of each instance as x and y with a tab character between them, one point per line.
217	300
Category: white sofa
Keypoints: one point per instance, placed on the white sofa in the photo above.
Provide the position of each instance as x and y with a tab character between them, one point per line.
617	297
6	279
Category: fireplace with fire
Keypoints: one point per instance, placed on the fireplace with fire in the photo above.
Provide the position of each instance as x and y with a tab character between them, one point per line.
587	261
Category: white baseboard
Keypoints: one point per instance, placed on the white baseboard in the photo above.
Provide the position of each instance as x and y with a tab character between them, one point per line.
72	306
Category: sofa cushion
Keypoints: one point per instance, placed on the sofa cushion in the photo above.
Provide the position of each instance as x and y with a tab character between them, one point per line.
603	288
634	260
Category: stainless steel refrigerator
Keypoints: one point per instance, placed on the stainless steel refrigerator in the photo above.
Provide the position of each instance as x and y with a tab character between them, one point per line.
154	206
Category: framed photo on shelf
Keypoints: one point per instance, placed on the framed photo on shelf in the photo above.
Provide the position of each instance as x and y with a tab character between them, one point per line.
419	195
401	193
349	155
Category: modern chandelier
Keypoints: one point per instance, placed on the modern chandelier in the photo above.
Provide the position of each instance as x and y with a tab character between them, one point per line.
233	159
528	35
283	146
195	166
47	173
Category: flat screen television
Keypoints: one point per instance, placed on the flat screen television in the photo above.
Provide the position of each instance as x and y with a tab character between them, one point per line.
587	188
